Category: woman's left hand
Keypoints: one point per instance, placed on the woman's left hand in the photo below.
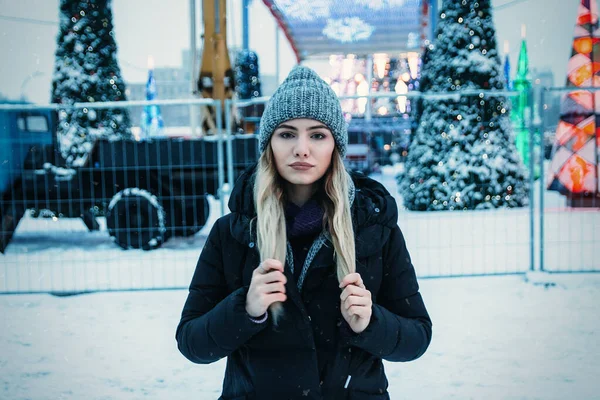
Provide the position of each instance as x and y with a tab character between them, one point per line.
356	305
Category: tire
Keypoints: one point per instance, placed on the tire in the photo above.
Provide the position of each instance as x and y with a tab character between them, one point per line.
136	219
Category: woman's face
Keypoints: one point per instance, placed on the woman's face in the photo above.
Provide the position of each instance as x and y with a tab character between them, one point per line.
302	141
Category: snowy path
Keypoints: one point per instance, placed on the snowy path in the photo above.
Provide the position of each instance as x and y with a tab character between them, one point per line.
494	338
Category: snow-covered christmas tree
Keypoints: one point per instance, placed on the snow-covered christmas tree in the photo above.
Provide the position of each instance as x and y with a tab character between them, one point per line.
86	70
247	79
463	156
248	86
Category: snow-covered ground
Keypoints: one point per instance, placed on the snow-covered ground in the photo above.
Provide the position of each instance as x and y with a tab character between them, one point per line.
494	338
61	255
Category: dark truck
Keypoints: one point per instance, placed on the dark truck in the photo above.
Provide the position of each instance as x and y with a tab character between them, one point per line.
148	190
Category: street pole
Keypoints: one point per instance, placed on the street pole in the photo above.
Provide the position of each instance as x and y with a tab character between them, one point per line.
245	28
193	67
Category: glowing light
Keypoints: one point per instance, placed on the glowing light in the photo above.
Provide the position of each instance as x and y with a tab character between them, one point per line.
335	86
401	88
347	67
413	63
362	90
380	60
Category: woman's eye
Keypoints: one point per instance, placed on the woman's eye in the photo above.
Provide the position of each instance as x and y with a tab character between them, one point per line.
287	135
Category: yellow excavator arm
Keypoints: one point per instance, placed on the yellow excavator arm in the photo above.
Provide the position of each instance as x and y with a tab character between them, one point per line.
216	78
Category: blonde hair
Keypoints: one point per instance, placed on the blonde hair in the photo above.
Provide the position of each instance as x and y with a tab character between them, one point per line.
269	200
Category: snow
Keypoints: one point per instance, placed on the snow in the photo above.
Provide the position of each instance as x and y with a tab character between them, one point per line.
493	338
60	174
482	64
532	335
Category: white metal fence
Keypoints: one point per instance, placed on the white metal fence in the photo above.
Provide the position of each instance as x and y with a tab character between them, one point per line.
63	242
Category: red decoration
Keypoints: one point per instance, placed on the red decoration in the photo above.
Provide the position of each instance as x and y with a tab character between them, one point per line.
574	168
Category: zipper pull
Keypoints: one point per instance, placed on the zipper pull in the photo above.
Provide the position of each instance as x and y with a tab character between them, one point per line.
347	381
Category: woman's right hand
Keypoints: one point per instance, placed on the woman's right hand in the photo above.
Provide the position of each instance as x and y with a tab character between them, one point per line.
267	286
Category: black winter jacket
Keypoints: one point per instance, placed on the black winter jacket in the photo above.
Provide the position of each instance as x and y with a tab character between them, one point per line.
267	362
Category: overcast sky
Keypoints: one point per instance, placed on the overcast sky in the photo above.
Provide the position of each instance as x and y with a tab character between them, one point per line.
161	28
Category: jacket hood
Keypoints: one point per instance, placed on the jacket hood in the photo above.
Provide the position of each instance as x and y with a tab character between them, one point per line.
373	208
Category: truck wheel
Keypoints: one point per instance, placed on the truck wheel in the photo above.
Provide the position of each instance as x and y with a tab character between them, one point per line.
136	219
195	218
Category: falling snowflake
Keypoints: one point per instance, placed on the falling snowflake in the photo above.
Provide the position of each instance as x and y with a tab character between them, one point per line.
304	10
348	30
379	4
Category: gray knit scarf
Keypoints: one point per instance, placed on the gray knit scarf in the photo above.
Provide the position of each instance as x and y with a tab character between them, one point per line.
308	219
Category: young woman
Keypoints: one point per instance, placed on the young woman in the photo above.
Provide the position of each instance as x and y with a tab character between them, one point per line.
307	284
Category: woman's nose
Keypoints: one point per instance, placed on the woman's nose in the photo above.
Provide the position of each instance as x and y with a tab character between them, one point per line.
301	148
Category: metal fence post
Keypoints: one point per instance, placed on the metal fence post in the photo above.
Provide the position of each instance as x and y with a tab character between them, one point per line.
229	138
531	167
221	171
542	179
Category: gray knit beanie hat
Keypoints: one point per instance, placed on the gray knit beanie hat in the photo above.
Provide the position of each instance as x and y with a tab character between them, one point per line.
304	94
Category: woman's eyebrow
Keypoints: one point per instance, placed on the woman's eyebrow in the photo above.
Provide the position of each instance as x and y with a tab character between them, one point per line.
284	126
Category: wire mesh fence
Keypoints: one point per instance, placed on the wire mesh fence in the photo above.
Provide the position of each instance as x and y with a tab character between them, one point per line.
135	212
90	224
569	213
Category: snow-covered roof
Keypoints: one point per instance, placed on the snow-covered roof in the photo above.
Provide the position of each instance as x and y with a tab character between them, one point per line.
323	27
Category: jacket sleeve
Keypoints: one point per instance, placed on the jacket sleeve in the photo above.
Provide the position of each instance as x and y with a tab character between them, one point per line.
214	322
400	327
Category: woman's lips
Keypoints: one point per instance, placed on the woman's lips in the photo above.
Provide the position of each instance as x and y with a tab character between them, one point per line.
301	167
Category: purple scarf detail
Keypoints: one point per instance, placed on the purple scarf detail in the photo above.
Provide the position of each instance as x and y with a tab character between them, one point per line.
304	220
